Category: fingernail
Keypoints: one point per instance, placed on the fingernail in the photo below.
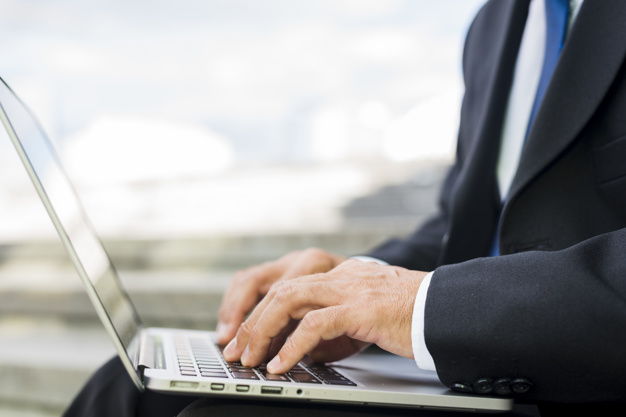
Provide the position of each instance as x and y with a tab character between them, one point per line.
229	350
273	365
220	330
244	356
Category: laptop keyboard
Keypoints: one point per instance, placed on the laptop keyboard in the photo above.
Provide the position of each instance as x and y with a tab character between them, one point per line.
199	357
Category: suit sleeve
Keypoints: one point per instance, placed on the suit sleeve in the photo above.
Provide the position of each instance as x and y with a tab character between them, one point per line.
556	319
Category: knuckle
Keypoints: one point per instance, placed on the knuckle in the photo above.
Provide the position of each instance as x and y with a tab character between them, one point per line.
282	289
246	275
315	254
313	322
313	251
352	261
253	335
275	289
246	328
321	261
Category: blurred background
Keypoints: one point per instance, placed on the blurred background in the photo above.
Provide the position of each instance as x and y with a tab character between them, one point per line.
206	136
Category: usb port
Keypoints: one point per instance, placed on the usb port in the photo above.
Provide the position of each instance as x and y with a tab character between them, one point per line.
184	384
242	388
217	387
271	390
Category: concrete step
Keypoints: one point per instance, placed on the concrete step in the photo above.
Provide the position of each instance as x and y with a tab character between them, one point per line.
187	276
164	299
206	253
19	411
51	340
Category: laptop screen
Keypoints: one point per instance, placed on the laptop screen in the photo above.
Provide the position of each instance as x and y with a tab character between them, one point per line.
67	214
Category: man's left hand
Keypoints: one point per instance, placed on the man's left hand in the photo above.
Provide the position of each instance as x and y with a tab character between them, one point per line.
339	313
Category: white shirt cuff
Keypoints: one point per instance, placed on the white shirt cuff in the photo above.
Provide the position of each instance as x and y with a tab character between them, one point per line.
368	259
422	357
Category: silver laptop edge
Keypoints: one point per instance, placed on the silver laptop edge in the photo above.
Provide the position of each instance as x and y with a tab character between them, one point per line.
136	345
129	363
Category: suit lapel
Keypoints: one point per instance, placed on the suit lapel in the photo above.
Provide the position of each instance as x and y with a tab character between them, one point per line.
476	202
589	62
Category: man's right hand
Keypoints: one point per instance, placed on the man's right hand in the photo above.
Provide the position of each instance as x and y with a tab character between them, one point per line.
250	285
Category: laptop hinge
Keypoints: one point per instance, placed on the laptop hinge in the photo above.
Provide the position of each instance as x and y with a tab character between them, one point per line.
145	359
150	352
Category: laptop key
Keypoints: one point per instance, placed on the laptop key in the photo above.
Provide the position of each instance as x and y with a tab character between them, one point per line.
275	377
243	370
214	374
212	367
308	378
244	375
344	382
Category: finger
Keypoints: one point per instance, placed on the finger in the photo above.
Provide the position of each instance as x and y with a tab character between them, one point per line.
278	341
312	261
287	300
235	348
242	295
324	324
251	284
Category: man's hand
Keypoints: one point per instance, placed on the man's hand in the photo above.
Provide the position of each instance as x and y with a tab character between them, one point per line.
354	304
250	285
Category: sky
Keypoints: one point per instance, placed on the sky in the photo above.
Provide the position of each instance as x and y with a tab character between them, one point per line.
141	92
267	75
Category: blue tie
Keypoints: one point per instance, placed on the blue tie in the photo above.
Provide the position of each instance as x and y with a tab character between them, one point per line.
556	23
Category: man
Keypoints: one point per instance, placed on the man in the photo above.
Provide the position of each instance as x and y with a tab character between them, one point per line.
545	321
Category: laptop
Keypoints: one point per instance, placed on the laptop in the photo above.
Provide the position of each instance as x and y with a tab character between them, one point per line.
189	361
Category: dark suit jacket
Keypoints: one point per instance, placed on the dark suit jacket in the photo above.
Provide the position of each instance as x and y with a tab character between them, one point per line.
552	309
